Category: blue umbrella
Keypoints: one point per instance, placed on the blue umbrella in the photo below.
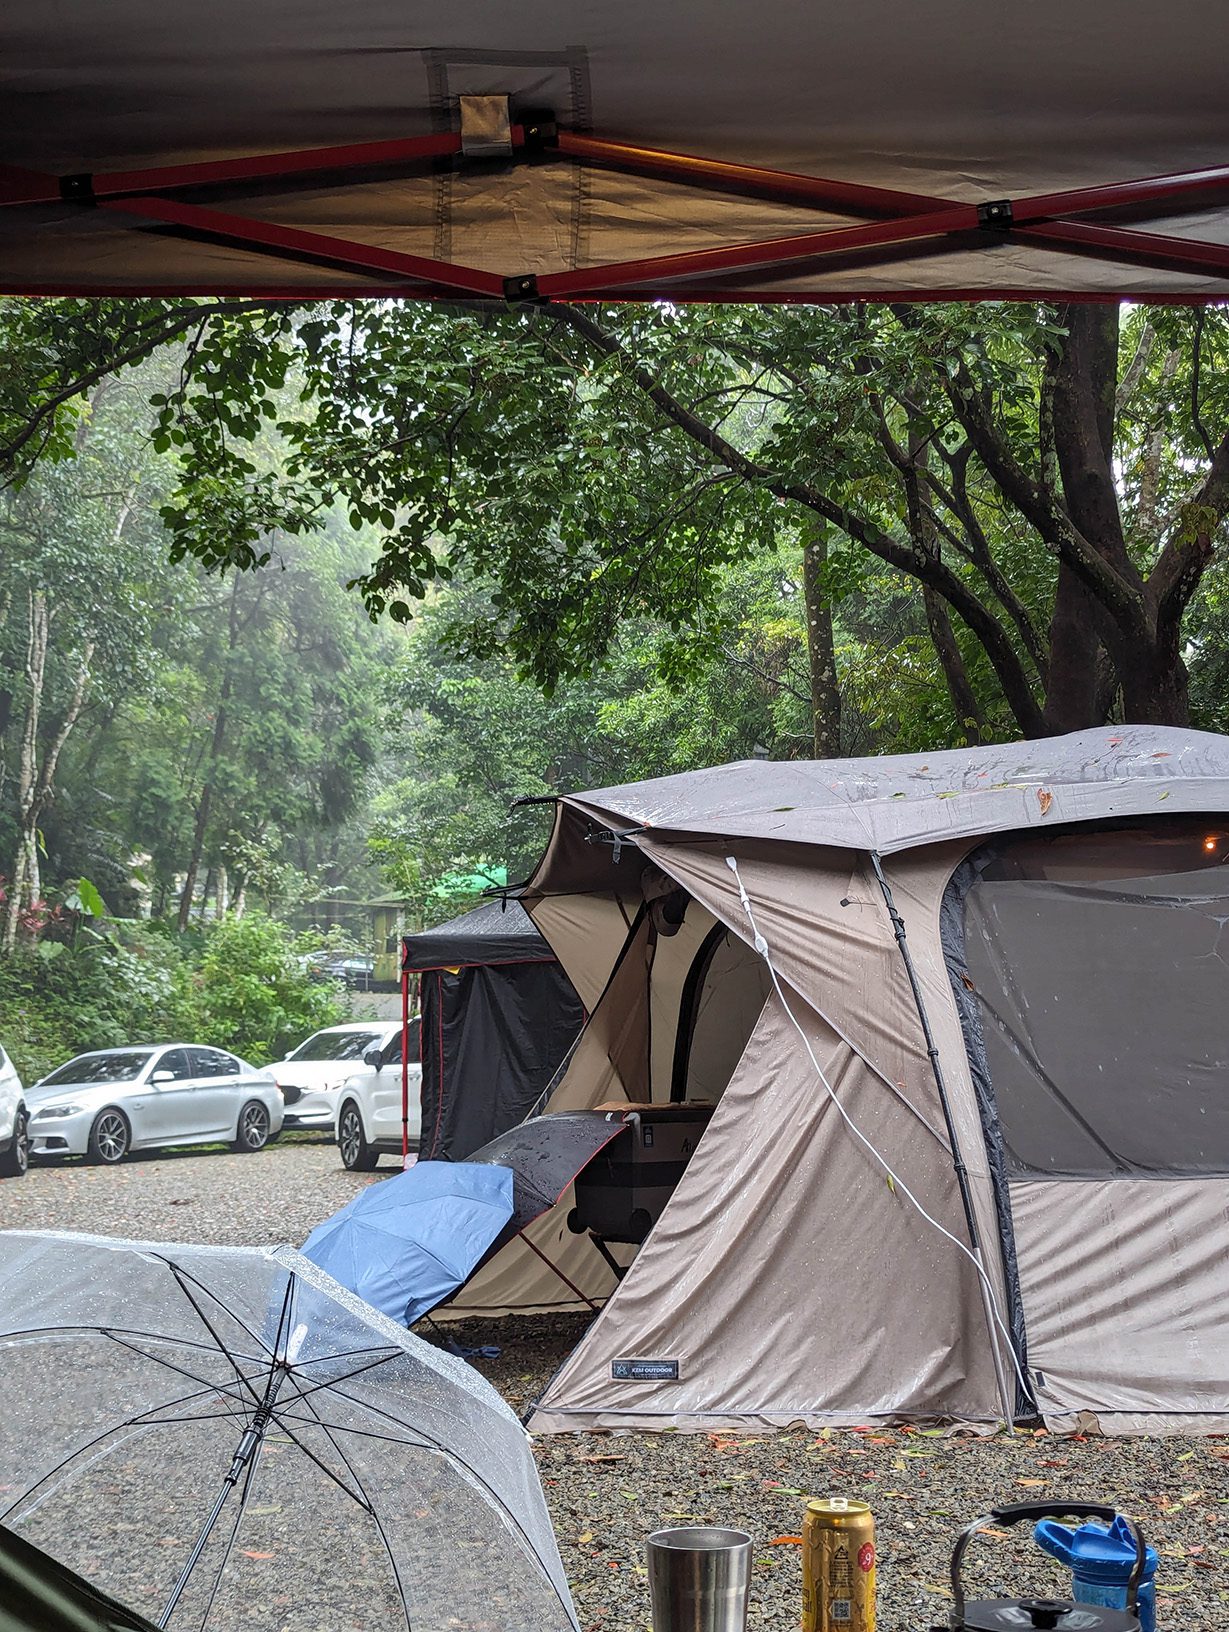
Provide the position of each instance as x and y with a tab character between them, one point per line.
407	1243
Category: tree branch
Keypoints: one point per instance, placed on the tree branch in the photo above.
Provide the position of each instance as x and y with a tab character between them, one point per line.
936	573
146	343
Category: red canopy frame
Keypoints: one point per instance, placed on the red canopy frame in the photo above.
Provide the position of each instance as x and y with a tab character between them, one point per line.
917	221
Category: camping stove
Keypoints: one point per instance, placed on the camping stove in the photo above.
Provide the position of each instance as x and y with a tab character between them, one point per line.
1047	1614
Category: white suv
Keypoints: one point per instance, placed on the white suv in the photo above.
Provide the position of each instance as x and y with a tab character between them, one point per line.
14	1139
368	1123
313	1076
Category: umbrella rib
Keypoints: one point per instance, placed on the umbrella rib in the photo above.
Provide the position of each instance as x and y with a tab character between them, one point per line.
181	1282
359	1499
358	1371
182	1279
367	1433
453	1455
371	1509
110	1331
384	1350
182	1371
79	1450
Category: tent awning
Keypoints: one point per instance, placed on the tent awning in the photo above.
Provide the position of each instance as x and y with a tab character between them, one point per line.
573	151
497	932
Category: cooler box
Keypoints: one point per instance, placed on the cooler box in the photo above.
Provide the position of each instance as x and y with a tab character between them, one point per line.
623	1191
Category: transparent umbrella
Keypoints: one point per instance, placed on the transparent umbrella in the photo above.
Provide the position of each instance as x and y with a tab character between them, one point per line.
225	1438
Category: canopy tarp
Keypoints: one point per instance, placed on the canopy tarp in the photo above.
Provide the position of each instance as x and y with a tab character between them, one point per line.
565	149
497	932
901	801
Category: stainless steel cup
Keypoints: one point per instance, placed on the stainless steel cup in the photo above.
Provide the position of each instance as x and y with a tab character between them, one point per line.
698	1579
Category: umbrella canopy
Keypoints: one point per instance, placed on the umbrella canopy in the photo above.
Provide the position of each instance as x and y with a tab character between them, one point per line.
225	1438
39	1595
545	1154
405	1244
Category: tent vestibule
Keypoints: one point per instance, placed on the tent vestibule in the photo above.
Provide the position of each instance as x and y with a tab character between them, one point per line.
498	1016
1063	904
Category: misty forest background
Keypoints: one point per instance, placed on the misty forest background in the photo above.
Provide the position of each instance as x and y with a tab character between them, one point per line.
295	602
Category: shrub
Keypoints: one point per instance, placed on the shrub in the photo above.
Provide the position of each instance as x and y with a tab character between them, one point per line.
237	984
248	992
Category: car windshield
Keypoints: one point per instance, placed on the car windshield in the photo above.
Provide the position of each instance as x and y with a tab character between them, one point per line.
336	1045
121	1067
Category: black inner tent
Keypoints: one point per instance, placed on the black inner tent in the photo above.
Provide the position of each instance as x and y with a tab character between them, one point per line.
498	1018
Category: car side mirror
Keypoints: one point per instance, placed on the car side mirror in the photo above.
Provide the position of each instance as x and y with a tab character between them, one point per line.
162	1076
374	1057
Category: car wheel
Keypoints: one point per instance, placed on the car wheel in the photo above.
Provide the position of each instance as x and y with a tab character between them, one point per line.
110	1137
253	1130
16	1159
356	1154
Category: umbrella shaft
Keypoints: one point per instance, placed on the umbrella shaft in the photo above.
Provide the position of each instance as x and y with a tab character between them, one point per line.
228	1484
244	1451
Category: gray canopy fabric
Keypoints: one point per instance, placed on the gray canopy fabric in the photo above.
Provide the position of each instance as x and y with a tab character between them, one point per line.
901	801
600	136
1079	909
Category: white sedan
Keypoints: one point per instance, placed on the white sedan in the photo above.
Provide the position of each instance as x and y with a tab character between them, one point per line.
117	1100
13	1114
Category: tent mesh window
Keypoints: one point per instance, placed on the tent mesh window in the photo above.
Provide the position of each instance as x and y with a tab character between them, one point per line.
1097	963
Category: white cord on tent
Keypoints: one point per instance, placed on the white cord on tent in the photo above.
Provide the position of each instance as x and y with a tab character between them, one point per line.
761	946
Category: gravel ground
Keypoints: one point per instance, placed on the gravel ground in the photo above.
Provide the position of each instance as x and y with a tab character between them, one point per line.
607	1492
194	1194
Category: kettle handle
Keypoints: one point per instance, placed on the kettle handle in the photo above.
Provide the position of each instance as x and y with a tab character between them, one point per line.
1022	1512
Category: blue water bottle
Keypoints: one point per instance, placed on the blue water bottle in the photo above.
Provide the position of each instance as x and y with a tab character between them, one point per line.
1101	1561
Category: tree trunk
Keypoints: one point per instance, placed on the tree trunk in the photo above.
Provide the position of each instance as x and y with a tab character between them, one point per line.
821	650
1072	690
1154	688
34	782
1144	648
217	739
969	716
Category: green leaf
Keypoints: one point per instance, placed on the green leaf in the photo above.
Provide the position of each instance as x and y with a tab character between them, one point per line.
86	898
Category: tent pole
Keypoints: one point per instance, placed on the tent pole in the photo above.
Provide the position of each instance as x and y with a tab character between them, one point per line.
405	1066
550	1264
962	1175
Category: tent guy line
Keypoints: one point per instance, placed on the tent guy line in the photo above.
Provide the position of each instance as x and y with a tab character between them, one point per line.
994	1318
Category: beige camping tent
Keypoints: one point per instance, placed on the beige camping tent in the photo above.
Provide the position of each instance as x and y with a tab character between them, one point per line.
988	1019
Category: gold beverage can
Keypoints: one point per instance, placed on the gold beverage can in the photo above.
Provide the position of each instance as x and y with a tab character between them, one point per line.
838	1567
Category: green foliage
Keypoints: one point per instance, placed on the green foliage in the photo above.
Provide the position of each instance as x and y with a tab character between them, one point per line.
84	898
470	738
57	1000
248	991
237	984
